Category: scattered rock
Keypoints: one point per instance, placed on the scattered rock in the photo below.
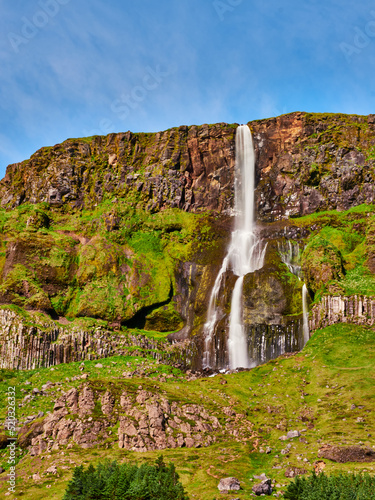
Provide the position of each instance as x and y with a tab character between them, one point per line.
229	483
294	471
2	470
293	434
264	488
262	477
98	365
52	470
319	466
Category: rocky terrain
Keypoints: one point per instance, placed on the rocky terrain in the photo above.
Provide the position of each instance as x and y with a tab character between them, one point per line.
109	249
131	229
298	413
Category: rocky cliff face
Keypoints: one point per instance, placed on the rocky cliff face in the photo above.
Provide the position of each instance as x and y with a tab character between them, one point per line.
131	229
305	163
31	342
359	310
186	167
313	162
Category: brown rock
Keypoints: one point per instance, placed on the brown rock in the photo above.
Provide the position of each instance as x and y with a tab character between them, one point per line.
347	454
294	471
86	401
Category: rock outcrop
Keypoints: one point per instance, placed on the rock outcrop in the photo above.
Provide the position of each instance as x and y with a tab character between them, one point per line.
355	309
145	421
345	454
25	347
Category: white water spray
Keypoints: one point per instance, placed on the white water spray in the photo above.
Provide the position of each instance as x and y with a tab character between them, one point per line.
245	255
306	332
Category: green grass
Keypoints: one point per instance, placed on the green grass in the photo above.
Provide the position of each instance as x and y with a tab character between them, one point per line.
312	390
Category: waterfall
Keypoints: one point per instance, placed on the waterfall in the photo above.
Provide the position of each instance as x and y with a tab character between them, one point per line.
306	333
245	255
289	252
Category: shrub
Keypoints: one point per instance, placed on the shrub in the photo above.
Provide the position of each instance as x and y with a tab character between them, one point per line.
114	481
335	487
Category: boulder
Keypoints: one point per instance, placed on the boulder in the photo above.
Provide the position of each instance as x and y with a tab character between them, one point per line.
228	484
346	454
293	434
263	488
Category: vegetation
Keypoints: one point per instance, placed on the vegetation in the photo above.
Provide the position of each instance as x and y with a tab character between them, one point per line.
313	390
337	487
114	481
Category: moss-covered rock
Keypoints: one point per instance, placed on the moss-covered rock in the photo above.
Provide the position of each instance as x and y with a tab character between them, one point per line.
37	220
271	292
21	287
322	263
164	319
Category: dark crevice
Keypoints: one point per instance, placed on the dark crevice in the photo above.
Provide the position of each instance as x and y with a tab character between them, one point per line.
139	319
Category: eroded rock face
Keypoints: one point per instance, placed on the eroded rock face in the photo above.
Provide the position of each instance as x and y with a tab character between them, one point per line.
305	163
25	347
312	162
186	167
330	310
147	421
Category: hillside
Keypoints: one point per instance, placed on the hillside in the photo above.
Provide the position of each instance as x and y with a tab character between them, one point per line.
325	392
109	251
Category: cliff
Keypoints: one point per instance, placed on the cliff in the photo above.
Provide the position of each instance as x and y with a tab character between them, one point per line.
131	229
306	162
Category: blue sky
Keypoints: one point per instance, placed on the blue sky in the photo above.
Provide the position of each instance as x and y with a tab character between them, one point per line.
71	68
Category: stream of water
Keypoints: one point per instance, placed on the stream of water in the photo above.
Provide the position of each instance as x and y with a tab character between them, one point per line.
245	255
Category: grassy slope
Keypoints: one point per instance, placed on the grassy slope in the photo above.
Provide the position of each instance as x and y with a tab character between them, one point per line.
334	371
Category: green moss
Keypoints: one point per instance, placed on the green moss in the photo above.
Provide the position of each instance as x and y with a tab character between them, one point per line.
164	319
321	263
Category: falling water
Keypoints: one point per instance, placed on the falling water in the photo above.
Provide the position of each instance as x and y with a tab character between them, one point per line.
289	252
306	333
245	255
